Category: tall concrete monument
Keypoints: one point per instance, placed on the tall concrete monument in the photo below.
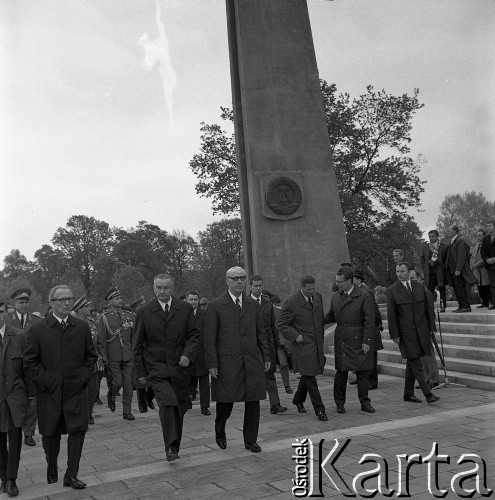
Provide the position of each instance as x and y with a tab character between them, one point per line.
290	208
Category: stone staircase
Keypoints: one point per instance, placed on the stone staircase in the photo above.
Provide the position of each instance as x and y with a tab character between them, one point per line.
468	343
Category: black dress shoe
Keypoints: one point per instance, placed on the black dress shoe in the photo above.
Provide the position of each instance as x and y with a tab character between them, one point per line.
91	420
52	475
74	482
253	447
491	307
288	389
11	487
151	405
322	416
142	405
340	409
463	310
110	402
98	401
205	411
481	306
129	416
442	309
412	399
353	382
431	398
433	385
29	441
300	407
278	408
189	406
222	442
367	408
171	453
372	387
3	487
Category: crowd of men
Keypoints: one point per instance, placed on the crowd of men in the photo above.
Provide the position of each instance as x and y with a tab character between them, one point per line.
52	367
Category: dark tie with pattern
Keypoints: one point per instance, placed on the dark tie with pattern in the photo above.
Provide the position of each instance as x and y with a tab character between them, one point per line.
408	287
238	304
64	324
166	311
22	320
310	301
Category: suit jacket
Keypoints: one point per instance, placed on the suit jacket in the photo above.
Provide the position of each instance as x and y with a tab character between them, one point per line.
13	320
59	365
13	393
411	318
478	265
457	260
235	343
198	368
488	251
299	318
159	342
438	267
115	340
269	323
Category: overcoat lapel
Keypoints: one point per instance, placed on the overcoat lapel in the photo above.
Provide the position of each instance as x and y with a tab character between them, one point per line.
157	309
173	307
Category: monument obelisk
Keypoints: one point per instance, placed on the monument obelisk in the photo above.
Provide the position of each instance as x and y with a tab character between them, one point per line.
290	209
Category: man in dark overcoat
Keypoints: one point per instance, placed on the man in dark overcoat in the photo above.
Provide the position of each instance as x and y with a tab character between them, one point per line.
301	322
411	320
165	342
459	273
22	319
432	262
59	361
353	310
269	323
237	357
13	403
198	372
487	252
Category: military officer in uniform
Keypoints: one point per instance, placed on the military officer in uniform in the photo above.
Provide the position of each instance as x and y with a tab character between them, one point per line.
115	330
82	310
21	319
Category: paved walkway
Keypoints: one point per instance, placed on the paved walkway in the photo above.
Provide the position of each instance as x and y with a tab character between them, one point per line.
126	460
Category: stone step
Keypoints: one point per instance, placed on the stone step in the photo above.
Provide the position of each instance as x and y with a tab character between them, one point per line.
486	318
481	341
398	370
462	328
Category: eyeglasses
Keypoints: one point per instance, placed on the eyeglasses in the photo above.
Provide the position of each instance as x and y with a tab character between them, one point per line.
237	278
66	300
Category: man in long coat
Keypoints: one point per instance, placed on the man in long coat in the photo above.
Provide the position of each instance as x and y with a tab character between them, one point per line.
411	320
487	252
301	322
165	342
59	361
432	261
13	403
353	310
237	357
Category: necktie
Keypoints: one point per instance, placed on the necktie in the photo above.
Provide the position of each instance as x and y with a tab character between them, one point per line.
259	300
408	287
1	343
238	304
64	324
22	320
310	301
166	311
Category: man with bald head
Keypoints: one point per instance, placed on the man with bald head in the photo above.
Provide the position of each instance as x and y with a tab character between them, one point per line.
237	357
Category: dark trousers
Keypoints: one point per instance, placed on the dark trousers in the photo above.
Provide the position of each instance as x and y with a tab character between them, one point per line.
251	423
93	392
204	391
340	386
491	277
271	385
308	383
11	455
193	384
30	420
171	422
75	442
433	283
414	371
460	289
485	294
373	378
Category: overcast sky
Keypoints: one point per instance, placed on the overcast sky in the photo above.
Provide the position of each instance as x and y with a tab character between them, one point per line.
86	129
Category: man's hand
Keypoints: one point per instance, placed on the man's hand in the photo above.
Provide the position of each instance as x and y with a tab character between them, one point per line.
366	348
184	361
213	372
142	380
490	260
267	365
299	339
458	273
396	340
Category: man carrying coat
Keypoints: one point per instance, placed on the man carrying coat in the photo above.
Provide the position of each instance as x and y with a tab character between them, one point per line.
352	308
411	320
301	322
237	357
59	361
165	342
13	403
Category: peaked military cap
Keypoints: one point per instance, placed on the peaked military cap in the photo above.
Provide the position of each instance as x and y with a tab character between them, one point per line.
137	302
113	292
21	293
79	303
358	274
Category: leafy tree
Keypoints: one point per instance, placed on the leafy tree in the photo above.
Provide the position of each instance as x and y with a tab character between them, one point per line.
132	284
137	253
470	211
72	279
181	254
15	264
7	287
51	264
82	241
105	268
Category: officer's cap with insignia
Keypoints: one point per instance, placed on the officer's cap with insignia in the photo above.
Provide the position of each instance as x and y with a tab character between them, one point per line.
112	293
21	293
80	303
137	302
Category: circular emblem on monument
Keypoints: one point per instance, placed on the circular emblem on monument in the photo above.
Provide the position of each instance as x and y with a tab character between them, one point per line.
283	195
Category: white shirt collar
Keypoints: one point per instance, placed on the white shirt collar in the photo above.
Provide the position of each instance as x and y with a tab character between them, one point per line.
452	240
234	298
19	315
306	298
163	304
257	299
350	291
2	330
60	320
405	283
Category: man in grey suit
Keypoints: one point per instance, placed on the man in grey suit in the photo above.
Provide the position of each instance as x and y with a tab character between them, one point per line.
237	357
301	322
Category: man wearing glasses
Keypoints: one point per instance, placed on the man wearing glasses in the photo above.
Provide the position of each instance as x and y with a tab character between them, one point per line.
237	357
59	361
